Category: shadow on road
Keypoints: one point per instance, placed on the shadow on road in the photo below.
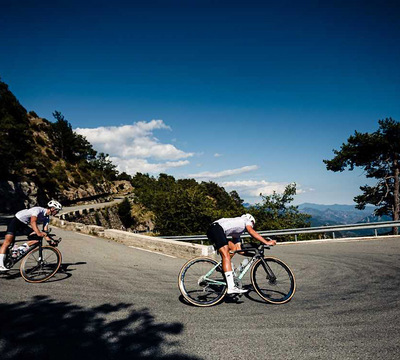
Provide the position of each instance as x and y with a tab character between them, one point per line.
227	300
49	329
65	270
63	273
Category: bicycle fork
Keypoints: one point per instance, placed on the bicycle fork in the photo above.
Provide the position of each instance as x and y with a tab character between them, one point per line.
40	259
270	274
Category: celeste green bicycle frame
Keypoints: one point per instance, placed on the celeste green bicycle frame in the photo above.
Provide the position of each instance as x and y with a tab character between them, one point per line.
242	273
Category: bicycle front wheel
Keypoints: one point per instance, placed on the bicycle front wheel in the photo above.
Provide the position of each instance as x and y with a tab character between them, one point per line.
202	282
36	269
273	280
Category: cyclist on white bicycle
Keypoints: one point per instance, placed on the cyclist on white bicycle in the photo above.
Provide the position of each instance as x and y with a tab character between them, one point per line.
234	227
26	221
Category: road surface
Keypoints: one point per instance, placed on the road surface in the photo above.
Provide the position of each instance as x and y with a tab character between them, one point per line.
115	302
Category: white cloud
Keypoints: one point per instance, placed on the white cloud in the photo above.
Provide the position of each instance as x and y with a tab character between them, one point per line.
217	155
132	166
135	140
254	188
224	173
109	134
134	148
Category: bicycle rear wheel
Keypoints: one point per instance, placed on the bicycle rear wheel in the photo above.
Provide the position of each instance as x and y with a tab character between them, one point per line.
202	282
35	269
274	282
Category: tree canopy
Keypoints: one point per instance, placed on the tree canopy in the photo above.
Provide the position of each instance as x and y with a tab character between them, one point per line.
50	154
275	211
68	144
184	206
16	136
378	154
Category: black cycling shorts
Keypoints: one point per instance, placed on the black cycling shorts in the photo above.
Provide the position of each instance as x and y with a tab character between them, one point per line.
18	226
216	235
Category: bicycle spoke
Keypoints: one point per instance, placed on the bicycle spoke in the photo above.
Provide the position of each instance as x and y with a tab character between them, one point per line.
36	269
277	284
200	282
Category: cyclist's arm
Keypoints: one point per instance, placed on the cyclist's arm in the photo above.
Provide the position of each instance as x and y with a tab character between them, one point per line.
46	228
254	234
46	225
35	227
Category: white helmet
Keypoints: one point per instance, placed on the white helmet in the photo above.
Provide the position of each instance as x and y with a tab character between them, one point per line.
54	204
249	217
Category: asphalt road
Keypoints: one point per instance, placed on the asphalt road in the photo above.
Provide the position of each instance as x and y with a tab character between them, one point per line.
67	209
114	302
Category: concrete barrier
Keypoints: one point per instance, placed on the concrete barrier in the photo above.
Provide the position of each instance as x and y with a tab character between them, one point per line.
165	246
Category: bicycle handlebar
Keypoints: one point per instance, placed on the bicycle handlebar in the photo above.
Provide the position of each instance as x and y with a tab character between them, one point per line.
53	242
253	247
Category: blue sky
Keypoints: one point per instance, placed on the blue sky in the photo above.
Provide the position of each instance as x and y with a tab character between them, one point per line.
250	94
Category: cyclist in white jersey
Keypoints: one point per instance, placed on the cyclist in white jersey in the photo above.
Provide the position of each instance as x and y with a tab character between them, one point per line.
234	227
26	221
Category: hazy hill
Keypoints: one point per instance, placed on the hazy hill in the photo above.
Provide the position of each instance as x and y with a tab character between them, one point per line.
325	215
337	214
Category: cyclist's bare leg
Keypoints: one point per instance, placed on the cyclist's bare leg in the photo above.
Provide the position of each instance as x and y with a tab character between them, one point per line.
234	247
226	258
7	242
32	242
9	239
227	252
227	267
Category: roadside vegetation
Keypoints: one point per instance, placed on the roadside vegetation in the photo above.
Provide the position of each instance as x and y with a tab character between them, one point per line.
55	158
49	154
378	154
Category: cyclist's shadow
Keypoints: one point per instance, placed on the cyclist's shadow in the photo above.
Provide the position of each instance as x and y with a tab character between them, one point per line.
63	273
228	299
232	299
65	270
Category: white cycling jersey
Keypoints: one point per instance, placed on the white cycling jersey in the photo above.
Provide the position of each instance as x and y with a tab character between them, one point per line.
25	215
234	226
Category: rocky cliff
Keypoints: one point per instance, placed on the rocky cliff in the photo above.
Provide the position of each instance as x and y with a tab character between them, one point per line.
15	196
109	218
41	160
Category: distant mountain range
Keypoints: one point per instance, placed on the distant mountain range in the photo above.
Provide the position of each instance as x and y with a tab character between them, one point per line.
325	215
337	214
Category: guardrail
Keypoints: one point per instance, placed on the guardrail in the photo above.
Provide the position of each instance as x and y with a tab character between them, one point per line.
74	211
320	229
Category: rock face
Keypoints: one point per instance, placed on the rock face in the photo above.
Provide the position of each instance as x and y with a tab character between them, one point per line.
108	218
15	196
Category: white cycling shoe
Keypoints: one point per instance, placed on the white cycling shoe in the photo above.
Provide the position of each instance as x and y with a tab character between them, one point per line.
236	290
3	269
